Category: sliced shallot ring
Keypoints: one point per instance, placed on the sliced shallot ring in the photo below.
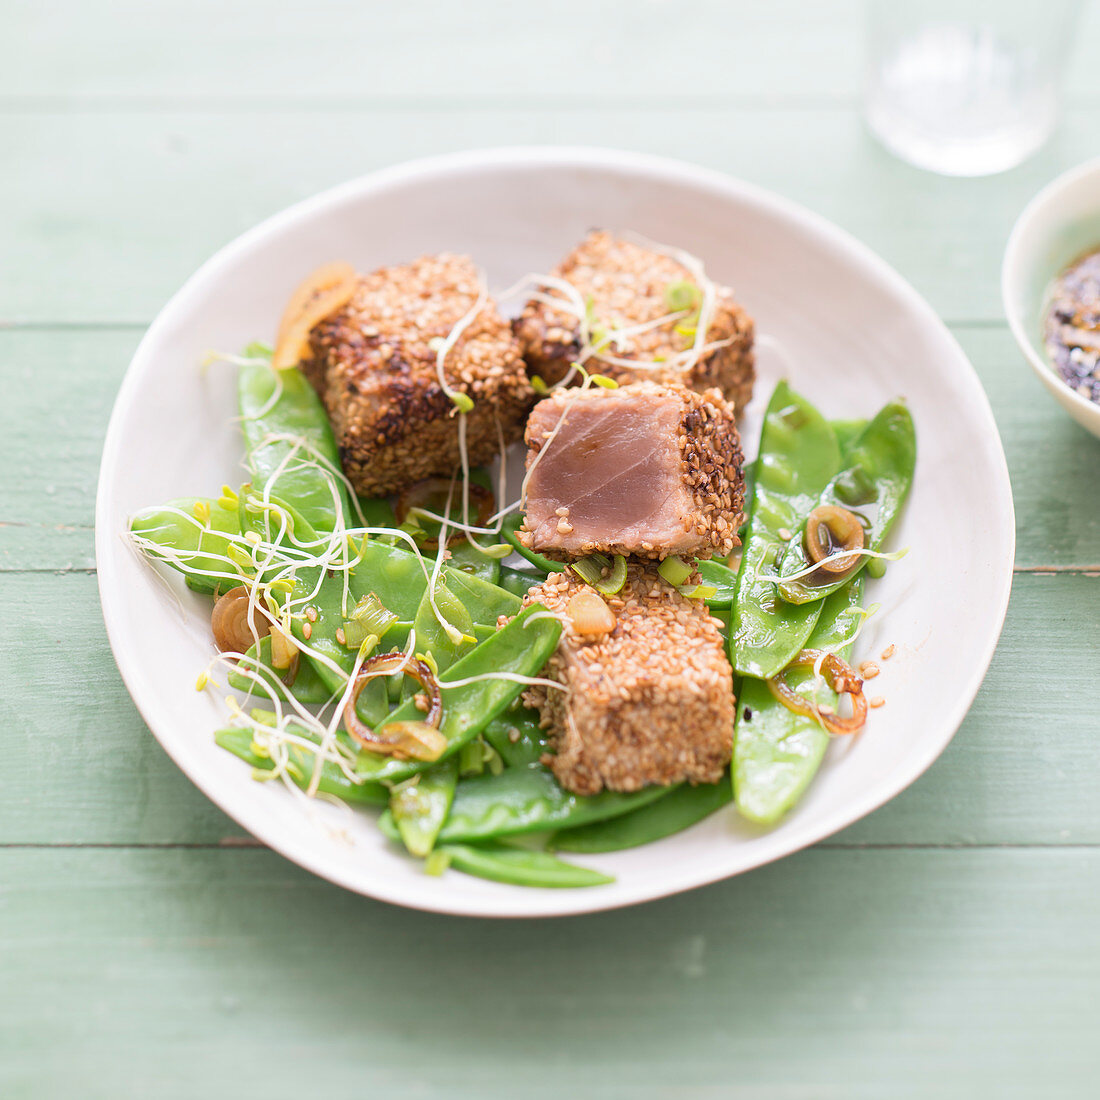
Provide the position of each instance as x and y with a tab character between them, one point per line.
319	295
420	494
383	741
845	532
235	630
840	676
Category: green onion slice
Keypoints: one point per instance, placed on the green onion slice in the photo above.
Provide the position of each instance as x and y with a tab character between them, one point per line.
675	570
591	570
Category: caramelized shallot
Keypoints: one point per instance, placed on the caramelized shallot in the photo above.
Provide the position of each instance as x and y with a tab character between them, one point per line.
321	294
590	615
235	630
839	676
830	530
402	740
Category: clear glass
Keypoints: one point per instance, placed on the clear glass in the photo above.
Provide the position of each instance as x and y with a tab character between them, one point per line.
966	87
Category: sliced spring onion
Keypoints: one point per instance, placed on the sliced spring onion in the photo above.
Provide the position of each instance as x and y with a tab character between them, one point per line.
368	617
675	570
698	591
592	571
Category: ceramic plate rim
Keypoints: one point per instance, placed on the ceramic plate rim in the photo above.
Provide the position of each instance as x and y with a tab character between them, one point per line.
656	168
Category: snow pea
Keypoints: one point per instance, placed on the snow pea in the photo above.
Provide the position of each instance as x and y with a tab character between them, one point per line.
681	808
206	536
798	455
420	809
376	513
722	579
847	432
527	800
520	648
873	484
484	601
394	576
308	686
530	739
775	751
468	559
520	866
430	634
518	581
333	781
511	525
283	403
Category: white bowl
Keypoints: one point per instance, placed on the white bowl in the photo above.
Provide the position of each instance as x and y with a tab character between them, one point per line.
1060	224
851	334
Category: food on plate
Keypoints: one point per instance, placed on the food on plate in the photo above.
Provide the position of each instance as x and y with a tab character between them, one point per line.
375	363
383	654
648	693
633	311
1072	326
645	469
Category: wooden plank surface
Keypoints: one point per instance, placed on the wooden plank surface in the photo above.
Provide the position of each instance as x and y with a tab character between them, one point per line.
947	945
154	198
901	974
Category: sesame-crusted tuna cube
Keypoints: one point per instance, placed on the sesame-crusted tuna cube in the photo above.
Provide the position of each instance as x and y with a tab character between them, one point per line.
650	702
374	365
626	286
647	470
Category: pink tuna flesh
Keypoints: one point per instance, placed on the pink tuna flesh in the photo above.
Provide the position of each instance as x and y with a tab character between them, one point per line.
616	465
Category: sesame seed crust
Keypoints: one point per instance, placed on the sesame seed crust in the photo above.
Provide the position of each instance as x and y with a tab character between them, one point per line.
650	703
626	284
374	365
709	467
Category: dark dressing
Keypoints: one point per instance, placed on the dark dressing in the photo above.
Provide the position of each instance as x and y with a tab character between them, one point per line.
1071	327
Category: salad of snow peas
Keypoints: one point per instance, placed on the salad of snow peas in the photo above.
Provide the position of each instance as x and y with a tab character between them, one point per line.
382	664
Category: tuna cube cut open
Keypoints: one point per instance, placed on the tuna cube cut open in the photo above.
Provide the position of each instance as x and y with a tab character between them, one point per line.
645	470
648	701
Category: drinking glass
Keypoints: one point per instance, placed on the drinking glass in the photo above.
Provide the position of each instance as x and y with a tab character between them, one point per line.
966	87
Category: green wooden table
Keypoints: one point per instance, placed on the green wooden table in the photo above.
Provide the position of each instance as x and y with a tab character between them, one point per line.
948	945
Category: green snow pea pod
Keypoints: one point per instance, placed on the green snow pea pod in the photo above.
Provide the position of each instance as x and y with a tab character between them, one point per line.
775	751
282	403
798	456
873	485
512	524
470	560
517	737
308	687
484	601
375	513
394	576
432	637
722	579
847	432
333	780
681	808
518	581
519	648
528	800
420	809
200	531
520	866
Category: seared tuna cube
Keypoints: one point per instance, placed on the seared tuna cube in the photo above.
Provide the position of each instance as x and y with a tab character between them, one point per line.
374	365
625	285
649	694
647	470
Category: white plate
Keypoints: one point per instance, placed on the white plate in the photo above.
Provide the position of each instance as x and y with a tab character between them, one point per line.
853	334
